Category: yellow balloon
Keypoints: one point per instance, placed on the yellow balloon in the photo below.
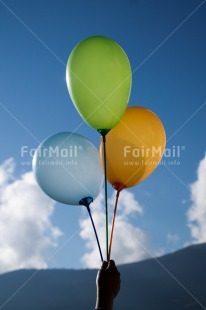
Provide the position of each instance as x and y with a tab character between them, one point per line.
134	147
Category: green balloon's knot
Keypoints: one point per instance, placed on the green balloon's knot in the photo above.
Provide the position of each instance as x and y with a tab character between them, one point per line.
103	132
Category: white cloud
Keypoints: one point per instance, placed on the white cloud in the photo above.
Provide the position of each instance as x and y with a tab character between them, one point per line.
172	238
129	242
127	204
196	214
26	231
6	171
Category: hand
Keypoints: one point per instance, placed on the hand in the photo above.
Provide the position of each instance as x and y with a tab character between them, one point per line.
108	285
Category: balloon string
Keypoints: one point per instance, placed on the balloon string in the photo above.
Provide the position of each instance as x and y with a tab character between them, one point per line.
100	251
105	190
113	222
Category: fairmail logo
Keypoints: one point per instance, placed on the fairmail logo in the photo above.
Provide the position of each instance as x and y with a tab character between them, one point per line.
174	151
56	152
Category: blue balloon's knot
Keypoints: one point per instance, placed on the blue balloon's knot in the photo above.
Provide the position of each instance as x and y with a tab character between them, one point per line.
86	201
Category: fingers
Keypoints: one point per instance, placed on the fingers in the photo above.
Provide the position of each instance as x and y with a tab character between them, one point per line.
104	265
112	267
116	278
111	264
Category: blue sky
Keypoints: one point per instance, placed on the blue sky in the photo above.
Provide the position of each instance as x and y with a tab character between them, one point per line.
165	43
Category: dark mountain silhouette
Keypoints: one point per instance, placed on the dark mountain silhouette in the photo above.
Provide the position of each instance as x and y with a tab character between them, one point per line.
172	282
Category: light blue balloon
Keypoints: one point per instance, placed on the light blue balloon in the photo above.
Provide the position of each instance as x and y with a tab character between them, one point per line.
67	168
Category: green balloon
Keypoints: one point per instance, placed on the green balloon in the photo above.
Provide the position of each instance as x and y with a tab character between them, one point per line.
99	79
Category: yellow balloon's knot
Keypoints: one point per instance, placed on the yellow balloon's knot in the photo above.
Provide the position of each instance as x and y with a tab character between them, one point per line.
118	186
